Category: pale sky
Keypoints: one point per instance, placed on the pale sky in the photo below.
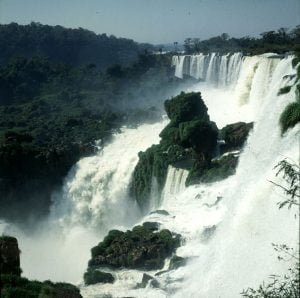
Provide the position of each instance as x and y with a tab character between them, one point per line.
157	21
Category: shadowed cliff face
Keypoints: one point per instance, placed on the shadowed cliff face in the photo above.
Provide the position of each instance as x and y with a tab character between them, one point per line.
9	256
13	285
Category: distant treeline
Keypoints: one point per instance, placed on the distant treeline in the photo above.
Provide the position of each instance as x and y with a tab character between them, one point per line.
71	46
280	41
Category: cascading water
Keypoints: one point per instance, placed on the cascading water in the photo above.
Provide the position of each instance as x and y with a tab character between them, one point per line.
95	194
228	226
94	199
219	70
175	182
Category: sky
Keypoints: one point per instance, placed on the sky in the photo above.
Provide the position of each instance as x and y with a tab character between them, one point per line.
157	21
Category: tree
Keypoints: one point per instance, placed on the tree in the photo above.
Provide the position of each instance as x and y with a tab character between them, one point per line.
291	175
225	36
286	286
175	46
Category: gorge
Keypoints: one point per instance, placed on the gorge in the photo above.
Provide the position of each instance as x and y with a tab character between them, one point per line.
226	226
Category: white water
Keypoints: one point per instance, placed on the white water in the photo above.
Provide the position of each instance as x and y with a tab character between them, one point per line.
242	208
94	199
175	183
214	69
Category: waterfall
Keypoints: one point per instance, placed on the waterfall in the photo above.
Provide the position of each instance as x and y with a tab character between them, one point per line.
175	182
95	193
214	69
94	199
247	217
227	226
180	63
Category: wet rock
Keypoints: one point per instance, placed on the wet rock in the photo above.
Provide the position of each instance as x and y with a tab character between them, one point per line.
9	256
161	272
95	276
140	248
216	170
208	233
161	212
234	135
148	279
176	262
152	226
13	285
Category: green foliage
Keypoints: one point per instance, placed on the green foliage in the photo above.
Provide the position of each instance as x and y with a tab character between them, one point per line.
199	135
280	41
7	238
189	135
141	248
291	175
213	171
186	107
58	113
72	46
286	286
220	169
152	163
12	286
234	135
290	116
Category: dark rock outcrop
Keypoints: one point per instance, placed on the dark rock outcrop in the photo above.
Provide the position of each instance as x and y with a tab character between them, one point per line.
93	276
212	171
148	279
152	226
234	136
140	248
13	285
190	136
176	262
9	256
189	142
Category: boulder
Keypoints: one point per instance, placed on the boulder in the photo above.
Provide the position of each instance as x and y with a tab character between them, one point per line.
216	170
93	276
148	279
234	135
176	262
141	248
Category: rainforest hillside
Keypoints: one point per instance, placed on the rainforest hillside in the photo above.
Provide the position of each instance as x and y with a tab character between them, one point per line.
72	46
52	112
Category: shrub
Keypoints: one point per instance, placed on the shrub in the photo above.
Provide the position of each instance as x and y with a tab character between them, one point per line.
186	107
290	116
